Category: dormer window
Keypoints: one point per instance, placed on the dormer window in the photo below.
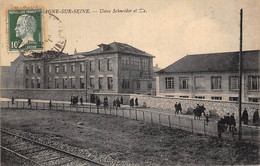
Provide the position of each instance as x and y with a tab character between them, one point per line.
103	47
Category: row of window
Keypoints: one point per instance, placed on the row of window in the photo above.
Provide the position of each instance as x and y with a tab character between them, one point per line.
135	63
33	69
57	69
33	83
253	83
101	83
149	85
101	64
250	99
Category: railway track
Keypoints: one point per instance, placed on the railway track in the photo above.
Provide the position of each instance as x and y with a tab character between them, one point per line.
40	154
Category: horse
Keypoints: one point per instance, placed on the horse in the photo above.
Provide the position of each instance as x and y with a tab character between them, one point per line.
198	111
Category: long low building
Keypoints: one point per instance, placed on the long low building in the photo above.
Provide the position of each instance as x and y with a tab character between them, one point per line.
211	76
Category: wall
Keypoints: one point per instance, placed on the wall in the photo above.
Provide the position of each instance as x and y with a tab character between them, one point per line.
44	94
221	107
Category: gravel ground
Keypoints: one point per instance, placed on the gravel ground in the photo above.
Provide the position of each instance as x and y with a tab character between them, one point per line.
119	141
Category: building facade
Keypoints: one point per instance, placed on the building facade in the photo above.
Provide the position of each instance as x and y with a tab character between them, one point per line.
111	68
212	76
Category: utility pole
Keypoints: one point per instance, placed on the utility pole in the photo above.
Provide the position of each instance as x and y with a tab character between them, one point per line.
240	75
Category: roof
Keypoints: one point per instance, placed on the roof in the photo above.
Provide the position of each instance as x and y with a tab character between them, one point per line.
117	47
227	61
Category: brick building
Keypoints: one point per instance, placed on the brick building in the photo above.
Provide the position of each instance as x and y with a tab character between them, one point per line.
212	76
111	68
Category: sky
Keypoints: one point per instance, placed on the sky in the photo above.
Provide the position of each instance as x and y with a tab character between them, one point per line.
169	29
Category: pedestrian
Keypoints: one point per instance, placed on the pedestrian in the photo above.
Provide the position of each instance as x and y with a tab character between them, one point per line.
114	103
232	121
50	104
132	102
117	102
227	121
13	101
81	100
29	102
245	117
136	102
105	103
256	117
220	127
122	100
176	108
179	107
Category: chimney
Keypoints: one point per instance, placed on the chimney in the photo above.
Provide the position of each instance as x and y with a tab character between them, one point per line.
103	47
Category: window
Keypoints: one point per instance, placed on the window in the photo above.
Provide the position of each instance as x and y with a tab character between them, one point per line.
110	83
169	83
199	83
200	97
26	83
38	83
32	83
109	64
72	83
72	68
49	83
215	82
82	67
56	82
57	69
253	82
49	69
81	83
38	69
233	98
32	69
64	68
233	83
149	85
183	83
64	83
27	69
138	85
92	65
99	65
216	98
252	99
92	85
125	83
100	82
184	96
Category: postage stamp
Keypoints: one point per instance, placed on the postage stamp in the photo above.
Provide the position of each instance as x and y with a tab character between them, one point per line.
25	29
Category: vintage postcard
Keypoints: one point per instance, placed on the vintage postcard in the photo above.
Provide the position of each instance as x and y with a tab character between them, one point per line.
130	82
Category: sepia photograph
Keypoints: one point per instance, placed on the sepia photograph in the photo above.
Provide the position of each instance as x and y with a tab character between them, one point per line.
129	82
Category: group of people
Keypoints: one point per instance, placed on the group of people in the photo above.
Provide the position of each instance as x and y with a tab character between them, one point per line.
75	99
244	117
133	102
116	102
226	123
178	107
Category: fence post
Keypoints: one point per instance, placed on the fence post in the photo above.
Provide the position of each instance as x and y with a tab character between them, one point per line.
44	106
159	118
130	113
135	114
90	108
204	126
8	104
110	111
70	107
151	117
23	104
36	105
116	111
123	113
143	115
83	108
56	106
179	121
191	125
169	118
16	104
63	106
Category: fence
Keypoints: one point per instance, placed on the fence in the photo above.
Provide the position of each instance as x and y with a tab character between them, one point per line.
170	120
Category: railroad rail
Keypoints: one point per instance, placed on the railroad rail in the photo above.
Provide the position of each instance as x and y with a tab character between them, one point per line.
39	153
